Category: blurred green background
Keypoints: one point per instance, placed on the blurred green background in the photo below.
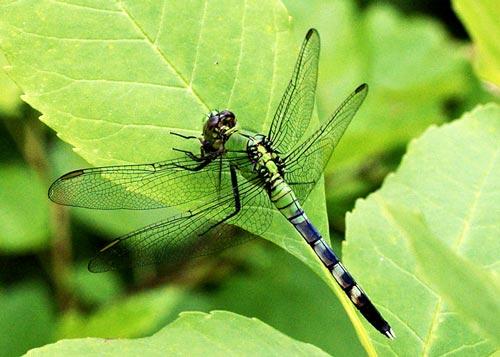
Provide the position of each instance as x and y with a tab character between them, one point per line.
416	57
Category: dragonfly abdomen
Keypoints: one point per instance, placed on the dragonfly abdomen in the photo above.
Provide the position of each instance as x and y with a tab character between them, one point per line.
285	200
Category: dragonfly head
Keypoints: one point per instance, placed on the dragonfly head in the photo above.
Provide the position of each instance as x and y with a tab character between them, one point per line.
220	122
218	128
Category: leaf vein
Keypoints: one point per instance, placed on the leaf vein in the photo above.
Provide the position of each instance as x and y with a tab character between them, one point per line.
158	50
240	55
474	345
75	39
404	323
86	7
432	328
196	56
160	26
472	210
273	77
141	125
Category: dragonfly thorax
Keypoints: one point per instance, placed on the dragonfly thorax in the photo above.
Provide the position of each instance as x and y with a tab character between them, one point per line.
266	161
217	129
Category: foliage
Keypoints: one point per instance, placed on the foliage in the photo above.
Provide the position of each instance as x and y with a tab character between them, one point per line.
112	79
194	333
414	70
450	175
481	19
462	285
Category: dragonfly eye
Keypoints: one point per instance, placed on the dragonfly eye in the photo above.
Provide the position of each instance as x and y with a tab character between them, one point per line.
227	118
213	122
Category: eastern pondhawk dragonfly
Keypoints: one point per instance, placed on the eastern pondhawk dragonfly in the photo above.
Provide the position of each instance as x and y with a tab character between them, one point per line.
235	180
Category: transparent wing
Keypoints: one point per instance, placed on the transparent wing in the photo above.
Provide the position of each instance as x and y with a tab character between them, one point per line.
195	233
305	164
295	108
146	186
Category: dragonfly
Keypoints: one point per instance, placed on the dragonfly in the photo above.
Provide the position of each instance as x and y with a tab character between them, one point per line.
236	179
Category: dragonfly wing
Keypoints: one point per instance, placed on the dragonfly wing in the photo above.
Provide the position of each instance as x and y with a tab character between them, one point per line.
147	186
195	233
306	162
295	108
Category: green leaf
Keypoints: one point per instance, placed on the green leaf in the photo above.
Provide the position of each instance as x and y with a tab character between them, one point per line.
108	74
26	318
462	284
194	334
481	20
24	210
450	175
10	99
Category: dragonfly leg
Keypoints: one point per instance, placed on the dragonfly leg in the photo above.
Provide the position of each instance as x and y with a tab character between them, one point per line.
202	163
190	155
236	196
184	136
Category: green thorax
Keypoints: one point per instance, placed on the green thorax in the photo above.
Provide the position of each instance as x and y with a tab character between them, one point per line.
266	162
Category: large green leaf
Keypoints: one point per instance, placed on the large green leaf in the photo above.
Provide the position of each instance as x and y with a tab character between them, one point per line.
194	334
23	210
462	283
481	19
450	175
107	75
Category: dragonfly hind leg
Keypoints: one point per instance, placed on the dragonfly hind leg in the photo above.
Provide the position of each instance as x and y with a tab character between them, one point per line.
236	196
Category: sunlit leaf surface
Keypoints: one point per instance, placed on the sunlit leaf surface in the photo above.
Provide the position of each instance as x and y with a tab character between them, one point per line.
195	334
114	78
450	175
462	283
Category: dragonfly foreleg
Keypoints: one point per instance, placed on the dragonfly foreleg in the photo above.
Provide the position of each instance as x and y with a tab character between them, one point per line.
184	136
191	155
